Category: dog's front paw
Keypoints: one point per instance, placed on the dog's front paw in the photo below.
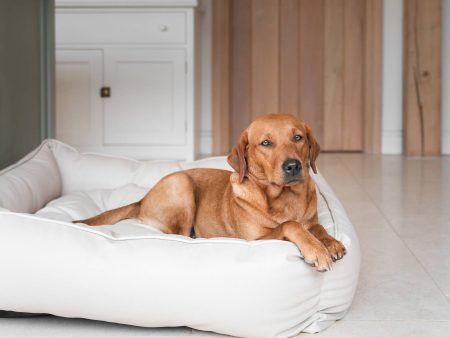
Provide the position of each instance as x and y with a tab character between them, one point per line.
317	255
335	248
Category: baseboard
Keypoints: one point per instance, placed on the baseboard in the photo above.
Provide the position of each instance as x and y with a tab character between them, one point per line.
391	142
446	142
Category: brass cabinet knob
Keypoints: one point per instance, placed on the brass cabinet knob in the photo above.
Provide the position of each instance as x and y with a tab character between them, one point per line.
105	92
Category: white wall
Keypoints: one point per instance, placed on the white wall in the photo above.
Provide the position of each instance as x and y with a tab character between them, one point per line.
392	106
446	78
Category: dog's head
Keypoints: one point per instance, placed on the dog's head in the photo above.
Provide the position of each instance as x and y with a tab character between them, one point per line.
275	149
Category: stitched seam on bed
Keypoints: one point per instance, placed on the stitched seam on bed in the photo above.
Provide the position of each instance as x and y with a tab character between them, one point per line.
335	225
159	237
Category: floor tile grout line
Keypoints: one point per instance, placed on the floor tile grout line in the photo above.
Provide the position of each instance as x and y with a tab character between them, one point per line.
392	227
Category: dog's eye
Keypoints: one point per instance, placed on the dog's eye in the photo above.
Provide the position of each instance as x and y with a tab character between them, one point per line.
297	138
266	143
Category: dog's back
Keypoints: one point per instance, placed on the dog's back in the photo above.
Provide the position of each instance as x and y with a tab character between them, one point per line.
180	201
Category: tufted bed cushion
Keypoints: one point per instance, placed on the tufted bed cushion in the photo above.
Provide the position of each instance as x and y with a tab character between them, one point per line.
133	274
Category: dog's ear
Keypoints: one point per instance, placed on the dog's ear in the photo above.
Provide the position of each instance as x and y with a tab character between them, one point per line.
314	148
237	157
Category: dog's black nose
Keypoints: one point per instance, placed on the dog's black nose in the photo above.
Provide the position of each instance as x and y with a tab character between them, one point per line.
291	167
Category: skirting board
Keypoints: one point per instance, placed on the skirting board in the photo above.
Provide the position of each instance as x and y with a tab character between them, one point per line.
391	142
446	142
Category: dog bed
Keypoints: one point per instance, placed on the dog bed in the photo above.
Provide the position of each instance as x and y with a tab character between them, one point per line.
133	274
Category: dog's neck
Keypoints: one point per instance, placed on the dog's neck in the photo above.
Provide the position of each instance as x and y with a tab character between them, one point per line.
274	191
274	203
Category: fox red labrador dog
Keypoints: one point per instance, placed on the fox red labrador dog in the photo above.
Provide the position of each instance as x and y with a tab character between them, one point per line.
270	196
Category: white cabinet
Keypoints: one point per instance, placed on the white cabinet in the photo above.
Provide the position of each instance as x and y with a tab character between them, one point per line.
144	58
79	108
148	97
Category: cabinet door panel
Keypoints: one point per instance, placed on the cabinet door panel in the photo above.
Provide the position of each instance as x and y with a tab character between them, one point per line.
78	104
148	97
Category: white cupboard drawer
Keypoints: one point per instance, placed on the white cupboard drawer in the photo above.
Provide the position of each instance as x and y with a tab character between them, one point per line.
120	28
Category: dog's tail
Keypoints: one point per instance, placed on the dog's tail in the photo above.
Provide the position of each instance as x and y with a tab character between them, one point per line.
113	216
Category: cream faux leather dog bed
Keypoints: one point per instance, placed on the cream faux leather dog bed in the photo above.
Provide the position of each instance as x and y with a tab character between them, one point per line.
131	273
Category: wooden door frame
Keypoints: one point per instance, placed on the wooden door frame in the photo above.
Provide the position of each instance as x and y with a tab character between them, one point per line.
373	61
221	69
422	72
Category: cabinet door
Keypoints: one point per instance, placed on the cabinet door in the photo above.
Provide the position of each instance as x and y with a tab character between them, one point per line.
148	97
79	75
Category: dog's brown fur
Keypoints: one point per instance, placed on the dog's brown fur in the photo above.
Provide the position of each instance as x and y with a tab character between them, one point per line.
253	203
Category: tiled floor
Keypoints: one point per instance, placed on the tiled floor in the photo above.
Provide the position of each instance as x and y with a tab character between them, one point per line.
401	210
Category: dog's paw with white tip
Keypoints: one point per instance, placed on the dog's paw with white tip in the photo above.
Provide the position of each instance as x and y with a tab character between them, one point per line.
317	255
335	248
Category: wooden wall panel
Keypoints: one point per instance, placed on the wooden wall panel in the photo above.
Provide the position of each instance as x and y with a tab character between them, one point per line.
241	70
334	74
289	56
352	123
310	58
221	79
265	41
422	77
311	67
373	30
